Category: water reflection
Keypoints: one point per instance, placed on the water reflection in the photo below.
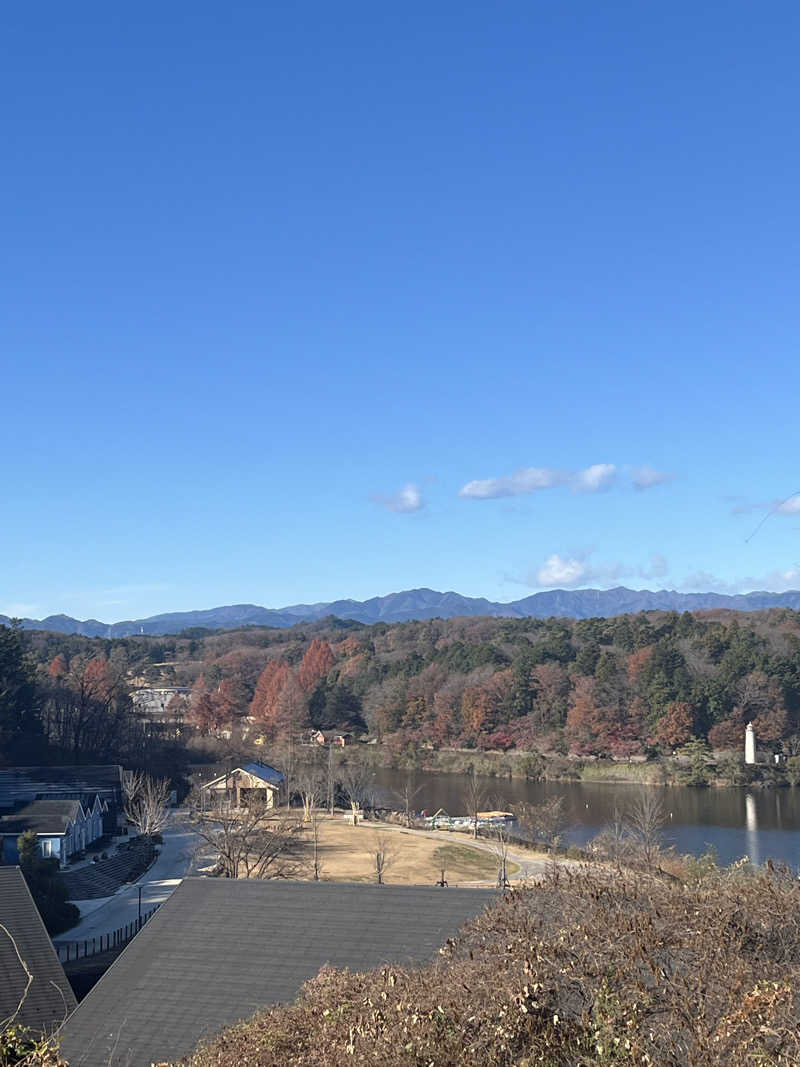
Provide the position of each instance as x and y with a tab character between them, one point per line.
751	823
759	823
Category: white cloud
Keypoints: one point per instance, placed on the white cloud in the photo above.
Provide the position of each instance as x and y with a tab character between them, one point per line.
788	507
647	477
595	479
577	569
407	499
558	570
526	480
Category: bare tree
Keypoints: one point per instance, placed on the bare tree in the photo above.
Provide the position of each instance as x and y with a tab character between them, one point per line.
331	779
406	795
284	756
499	842
384	852
131	784
499	839
315	819
146	802
310	786
544	822
644	820
475	794
357	784
252	842
613	843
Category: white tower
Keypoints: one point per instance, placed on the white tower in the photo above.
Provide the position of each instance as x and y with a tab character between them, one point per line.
749	744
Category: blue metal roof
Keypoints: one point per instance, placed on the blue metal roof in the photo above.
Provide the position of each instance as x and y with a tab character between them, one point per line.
263	770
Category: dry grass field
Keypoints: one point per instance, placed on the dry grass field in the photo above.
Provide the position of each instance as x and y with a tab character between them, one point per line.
347	854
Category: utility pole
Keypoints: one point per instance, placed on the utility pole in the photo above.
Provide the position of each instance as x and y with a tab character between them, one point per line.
330	778
140	905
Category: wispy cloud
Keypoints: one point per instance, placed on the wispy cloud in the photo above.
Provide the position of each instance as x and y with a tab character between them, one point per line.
405	500
788	507
525	480
595	479
777	581
647	477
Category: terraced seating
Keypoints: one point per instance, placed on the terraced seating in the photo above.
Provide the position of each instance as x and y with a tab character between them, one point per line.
104	878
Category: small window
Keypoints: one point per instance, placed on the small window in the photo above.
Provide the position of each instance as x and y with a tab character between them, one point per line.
46	846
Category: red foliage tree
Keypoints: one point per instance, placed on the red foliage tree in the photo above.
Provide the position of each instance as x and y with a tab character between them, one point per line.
581	717
291	714
481	703
676	725
551	683
203	711
98	680
770	725
58	666
264	705
729	734
316	663
637	661
232	699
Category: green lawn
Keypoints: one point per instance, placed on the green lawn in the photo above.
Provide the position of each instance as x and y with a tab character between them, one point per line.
462	861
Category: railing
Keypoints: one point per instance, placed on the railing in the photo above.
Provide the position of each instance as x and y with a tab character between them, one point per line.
92	946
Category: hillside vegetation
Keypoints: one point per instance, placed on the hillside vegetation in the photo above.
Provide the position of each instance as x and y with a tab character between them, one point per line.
617	687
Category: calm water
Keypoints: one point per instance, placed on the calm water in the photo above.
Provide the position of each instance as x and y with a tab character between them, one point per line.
762	824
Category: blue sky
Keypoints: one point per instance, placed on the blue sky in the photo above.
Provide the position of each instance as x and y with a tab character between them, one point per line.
310	301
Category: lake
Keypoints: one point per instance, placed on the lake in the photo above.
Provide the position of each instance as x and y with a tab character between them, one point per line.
760	824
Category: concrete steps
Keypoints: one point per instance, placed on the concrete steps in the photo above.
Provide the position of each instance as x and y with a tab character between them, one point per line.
104	878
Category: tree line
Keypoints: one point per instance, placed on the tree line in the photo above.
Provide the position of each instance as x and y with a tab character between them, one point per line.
595	687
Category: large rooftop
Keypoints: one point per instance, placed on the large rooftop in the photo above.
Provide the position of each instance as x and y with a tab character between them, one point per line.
220	949
50	998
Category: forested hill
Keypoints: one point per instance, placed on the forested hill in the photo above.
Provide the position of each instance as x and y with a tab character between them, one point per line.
425	604
622	686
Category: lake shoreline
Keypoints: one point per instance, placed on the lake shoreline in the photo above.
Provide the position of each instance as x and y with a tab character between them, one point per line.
553	767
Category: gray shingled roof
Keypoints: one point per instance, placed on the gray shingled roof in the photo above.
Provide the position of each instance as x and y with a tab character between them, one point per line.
43	816
220	949
50	998
21	784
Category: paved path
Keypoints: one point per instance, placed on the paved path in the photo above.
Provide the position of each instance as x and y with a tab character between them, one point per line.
176	860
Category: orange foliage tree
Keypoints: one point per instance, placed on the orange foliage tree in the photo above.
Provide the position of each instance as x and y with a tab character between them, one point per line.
581	715
729	733
270	685
58	666
316	663
291	713
676	725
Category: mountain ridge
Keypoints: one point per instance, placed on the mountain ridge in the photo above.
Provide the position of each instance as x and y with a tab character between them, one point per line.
418	604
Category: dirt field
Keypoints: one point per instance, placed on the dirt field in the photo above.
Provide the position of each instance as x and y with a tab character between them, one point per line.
347	854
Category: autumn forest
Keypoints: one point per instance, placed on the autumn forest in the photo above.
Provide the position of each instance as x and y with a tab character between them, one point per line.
617	688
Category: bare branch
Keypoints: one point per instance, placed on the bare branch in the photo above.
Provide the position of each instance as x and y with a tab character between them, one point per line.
147	806
384	853
252	842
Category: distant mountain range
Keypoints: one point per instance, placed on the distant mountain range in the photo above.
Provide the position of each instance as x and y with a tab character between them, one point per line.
424	604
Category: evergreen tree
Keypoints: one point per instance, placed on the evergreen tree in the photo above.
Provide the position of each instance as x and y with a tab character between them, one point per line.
46	886
21	739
